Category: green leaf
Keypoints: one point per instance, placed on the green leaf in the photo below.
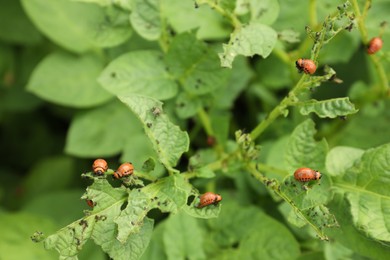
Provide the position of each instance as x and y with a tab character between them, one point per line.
183	238
265	12
350	236
184	17
49	174
168	140
187	105
131	219
195	65
341	158
307	201
328	108
256	237
340	49
211	211
97	133
366	129
16	229
237	81
302	149
366	186
78	27
63	207
248	40
69	80
99	224
170	193
155	249
145	18
125	4
139	72
134	247
15	27
164	194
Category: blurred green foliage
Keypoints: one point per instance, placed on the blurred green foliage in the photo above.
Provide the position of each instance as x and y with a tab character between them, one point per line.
66	66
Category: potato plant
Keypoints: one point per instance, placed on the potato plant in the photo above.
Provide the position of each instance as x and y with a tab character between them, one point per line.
227	98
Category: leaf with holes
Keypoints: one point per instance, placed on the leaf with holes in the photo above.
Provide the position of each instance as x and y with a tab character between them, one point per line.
168	140
248	40
328	108
70	240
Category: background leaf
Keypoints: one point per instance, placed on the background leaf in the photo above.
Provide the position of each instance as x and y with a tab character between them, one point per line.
146	18
102	131
139	72
75	26
195	65
25	224
183	238
69	80
15	27
365	185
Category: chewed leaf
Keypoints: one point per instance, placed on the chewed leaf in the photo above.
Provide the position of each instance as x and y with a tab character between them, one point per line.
211	211
70	240
328	108
168	140
307	201
165	195
303	150
131	219
248	40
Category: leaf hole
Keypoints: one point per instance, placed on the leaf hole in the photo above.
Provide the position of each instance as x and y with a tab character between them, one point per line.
124	205
190	199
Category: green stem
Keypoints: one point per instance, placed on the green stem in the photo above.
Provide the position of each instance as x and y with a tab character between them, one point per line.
204	118
313	13
236	23
279	109
384	82
360	21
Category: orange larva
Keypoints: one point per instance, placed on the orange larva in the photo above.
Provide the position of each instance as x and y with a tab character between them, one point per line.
99	166
306	65
374	45
90	203
209	198
124	169
306	174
